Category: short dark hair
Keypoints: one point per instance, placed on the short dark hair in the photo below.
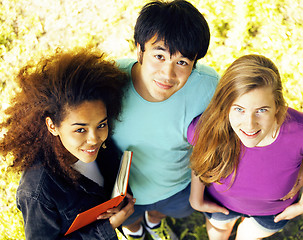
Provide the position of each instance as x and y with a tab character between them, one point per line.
182	27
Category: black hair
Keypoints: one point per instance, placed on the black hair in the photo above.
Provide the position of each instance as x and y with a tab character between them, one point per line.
182	27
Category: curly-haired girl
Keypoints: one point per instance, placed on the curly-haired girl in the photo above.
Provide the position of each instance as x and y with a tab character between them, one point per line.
56	132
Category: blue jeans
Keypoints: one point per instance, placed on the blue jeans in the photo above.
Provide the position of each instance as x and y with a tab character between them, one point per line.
176	206
265	222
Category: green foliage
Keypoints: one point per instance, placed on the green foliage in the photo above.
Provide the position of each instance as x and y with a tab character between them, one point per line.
11	223
190	228
268	27
32	28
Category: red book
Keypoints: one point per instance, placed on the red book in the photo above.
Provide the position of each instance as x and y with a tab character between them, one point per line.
118	194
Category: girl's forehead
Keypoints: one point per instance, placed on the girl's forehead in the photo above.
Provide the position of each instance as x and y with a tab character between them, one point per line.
88	111
257	97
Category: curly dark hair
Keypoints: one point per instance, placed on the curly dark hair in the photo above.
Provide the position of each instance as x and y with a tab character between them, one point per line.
47	88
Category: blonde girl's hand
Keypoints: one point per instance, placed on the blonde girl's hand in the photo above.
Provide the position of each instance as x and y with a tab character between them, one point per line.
298	185
212	207
199	202
290	212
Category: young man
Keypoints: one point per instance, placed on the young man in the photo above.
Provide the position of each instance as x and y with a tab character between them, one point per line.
168	88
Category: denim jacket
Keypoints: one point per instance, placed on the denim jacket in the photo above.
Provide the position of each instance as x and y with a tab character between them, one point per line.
49	204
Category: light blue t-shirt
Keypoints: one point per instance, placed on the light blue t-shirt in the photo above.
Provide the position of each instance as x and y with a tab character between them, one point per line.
156	132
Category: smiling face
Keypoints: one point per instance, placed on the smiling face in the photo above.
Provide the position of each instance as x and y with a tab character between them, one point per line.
159	75
253	117
83	129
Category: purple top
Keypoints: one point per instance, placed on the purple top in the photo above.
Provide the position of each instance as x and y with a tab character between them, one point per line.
265	174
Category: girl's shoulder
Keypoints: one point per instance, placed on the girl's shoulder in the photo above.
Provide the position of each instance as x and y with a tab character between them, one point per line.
191	130
293	125
32	182
38	183
294	117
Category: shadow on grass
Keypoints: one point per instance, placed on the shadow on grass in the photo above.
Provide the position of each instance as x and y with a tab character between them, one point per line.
193	228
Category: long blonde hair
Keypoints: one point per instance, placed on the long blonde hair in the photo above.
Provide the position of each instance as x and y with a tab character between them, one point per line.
216	153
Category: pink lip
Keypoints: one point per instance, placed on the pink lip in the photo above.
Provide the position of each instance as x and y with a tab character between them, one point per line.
91	151
163	86
251	135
